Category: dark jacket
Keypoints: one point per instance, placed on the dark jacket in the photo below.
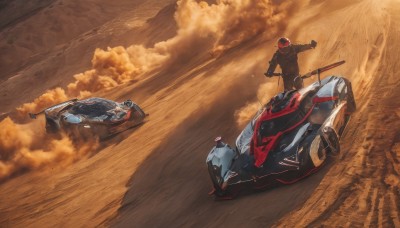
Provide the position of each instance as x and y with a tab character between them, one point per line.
288	62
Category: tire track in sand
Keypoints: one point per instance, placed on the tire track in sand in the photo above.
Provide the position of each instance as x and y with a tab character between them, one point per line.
362	188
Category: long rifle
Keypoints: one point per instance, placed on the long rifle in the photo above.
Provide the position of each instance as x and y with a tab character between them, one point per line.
322	69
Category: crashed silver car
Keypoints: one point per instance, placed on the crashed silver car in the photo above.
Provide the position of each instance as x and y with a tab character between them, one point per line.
93	116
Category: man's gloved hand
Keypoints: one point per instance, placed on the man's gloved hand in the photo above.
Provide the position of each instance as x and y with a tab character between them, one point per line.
313	43
267	74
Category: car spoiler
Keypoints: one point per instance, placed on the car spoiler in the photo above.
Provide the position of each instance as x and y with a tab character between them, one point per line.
34	115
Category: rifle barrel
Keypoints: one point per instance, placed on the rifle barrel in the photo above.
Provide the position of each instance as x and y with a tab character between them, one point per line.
322	69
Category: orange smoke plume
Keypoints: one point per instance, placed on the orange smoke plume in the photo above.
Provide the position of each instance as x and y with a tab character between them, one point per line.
230	22
202	28
114	67
22	148
48	98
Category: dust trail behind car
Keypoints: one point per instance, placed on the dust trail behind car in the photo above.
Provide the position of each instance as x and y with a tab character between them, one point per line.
179	96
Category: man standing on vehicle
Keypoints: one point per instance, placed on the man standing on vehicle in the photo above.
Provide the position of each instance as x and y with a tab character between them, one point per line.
286	57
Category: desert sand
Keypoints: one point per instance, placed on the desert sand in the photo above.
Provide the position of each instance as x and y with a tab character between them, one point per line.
197	69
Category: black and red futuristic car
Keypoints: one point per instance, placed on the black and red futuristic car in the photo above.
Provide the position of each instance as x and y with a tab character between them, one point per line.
92	117
288	139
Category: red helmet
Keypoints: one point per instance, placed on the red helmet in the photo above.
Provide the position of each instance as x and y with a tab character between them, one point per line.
283	44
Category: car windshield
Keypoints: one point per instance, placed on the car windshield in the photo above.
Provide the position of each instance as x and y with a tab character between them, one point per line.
274	126
93	107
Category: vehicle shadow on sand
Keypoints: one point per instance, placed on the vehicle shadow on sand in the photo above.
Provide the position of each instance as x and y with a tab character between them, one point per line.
115	139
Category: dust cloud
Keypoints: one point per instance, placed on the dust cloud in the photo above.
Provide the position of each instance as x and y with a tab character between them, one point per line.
115	66
48	98
230	22
202	28
246	113
22	148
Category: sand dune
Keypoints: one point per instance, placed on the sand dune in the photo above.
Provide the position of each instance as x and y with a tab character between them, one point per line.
197	69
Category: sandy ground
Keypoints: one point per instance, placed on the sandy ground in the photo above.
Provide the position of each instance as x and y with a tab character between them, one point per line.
198	77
